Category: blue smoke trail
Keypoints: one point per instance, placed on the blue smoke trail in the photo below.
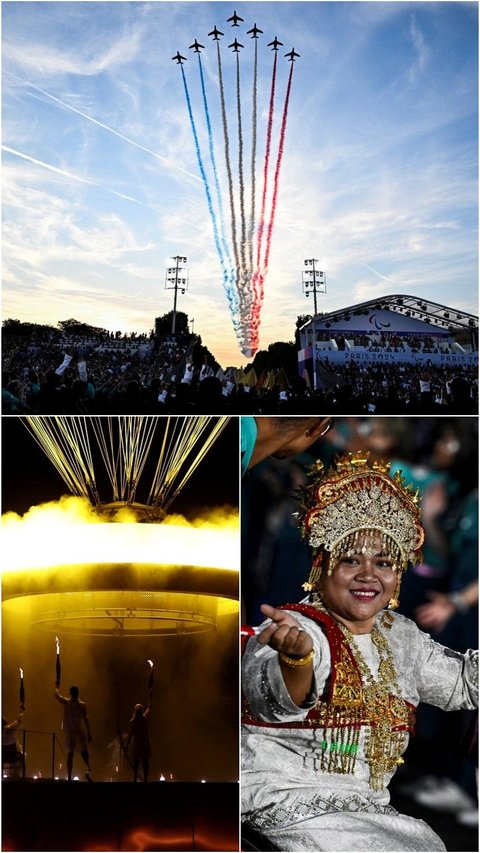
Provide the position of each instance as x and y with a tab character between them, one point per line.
228	269
228	288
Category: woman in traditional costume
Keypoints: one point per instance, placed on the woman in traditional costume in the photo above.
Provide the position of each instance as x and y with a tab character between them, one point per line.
331	684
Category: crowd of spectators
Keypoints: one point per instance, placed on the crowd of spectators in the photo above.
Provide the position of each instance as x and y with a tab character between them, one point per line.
144	375
388	341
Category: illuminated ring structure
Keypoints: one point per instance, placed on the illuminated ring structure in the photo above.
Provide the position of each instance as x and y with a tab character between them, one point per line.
141	598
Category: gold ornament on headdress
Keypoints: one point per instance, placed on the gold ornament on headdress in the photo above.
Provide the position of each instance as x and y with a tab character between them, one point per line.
354	506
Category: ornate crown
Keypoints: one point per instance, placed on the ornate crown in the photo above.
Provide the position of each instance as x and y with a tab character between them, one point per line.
339	506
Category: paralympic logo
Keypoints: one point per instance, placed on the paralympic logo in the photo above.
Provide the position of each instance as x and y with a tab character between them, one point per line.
377	323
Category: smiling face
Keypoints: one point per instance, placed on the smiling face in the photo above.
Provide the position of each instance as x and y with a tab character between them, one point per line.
360	586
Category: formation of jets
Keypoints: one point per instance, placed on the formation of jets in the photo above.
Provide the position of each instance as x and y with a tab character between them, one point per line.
197	47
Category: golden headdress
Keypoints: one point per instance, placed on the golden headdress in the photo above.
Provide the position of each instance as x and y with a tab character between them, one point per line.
356	502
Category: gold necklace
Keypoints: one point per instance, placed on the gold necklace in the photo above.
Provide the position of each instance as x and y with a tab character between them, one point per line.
383	702
382	705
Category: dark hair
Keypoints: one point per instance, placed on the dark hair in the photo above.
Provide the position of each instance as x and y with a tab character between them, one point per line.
285	424
74	691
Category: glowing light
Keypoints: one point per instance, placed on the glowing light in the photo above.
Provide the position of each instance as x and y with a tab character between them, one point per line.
21	671
150	662
70	533
57	645
162	778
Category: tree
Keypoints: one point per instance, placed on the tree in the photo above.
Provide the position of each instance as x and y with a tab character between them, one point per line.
282	354
17	328
76	327
163	324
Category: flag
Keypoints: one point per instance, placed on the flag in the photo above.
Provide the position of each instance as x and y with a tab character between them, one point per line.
66	361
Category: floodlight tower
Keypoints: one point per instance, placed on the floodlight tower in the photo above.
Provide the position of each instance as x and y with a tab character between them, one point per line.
176	278
313	281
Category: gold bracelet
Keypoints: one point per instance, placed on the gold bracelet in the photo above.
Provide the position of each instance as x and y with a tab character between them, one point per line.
294	662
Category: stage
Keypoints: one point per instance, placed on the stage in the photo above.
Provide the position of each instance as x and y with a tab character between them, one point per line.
162	816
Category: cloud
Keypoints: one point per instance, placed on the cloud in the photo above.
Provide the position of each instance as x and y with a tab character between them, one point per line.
89	58
422	51
169	161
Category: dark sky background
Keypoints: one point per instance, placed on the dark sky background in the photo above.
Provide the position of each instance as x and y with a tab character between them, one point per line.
29	478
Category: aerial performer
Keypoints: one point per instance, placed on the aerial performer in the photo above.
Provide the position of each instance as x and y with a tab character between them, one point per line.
331	684
242	229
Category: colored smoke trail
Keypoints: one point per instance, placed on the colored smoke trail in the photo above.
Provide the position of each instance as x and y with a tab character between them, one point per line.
277	172
243	239
227	158
258	277
228	271
251	226
230	293
240	173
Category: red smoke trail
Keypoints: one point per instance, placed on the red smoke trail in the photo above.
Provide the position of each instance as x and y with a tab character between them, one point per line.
265	167
276	178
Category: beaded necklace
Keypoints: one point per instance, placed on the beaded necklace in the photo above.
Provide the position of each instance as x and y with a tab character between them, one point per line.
382	704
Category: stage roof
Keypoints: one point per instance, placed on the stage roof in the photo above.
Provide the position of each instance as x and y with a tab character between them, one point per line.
436	315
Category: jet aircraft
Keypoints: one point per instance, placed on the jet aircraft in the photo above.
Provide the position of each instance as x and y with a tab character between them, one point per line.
236	44
196	46
254	30
215	33
235	18
180	59
275	44
291	55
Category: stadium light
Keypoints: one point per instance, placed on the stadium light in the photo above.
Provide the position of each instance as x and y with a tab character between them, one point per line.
176	278
313	281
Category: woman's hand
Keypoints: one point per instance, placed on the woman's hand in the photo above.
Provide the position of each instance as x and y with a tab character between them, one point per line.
287	637
285	634
436	613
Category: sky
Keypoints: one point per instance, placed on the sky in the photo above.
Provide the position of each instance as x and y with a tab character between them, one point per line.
376	178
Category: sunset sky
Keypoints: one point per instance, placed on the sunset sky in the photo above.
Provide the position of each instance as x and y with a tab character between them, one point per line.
101	181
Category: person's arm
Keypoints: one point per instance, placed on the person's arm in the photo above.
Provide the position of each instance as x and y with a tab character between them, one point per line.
148	709
87	723
265	677
15	724
273	440
442	606
295	651
444	677
59	697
